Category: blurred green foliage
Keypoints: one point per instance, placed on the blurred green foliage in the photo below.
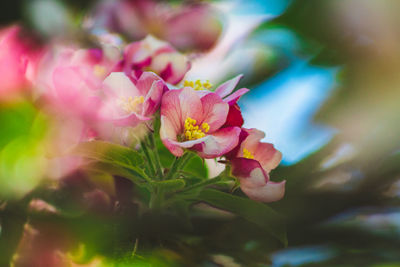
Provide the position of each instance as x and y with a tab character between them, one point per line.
323	206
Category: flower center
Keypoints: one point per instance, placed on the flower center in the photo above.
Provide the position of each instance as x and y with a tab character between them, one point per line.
247	154
193	131
198	85
130	104
99	71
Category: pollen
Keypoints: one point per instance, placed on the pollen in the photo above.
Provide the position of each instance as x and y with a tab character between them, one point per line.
131	104
247	154
193	131
99	71
198	85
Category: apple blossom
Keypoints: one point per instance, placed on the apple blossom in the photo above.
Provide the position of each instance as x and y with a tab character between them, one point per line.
70	79
252	164
195	122
129	100
158	56
135	19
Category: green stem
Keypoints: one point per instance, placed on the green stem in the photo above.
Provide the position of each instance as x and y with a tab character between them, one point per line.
149	161
177	164
202	184
156	199
13	217
188	156
156	156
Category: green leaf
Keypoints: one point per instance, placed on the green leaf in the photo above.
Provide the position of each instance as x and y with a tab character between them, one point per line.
105	151
170	185
255	212
115	170
112	154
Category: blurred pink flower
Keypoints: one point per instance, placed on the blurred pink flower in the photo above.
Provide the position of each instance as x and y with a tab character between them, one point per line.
252	164
175	24
18	59
130	101
158	56
195	122
70	79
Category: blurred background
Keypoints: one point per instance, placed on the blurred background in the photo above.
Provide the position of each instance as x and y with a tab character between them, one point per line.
325	88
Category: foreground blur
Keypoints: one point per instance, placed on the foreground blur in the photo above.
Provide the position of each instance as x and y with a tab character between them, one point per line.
324	87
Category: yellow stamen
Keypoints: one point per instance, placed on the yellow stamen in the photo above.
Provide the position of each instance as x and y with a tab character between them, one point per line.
247	154
198	85
131	104
193	131
99	71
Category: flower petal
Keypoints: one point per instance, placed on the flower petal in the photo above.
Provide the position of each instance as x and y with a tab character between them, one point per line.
233	98
219	143
268	156
145	82
153	97
250	172
172	67
227	87
68	84
136	56
168	133
131	120
215	111
268	193
119	85
190	105
234	117
252	141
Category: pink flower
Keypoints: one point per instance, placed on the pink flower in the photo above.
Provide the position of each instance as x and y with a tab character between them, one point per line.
17	60
174	24
195	122
252	164
130	101
158	56
70	79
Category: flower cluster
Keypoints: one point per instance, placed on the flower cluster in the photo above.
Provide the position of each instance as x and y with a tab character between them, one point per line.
107	88
209	123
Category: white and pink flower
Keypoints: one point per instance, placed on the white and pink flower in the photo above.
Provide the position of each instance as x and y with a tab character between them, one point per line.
70	79
173	23
158	56
191	121
252	164
129	101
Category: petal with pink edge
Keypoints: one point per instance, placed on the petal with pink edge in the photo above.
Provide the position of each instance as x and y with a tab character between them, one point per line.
171	114
168	133
268	156
177	63
270	192
119	85
252	141
227	87
219	143
250	172
233	98
145	82
215	111
153	98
